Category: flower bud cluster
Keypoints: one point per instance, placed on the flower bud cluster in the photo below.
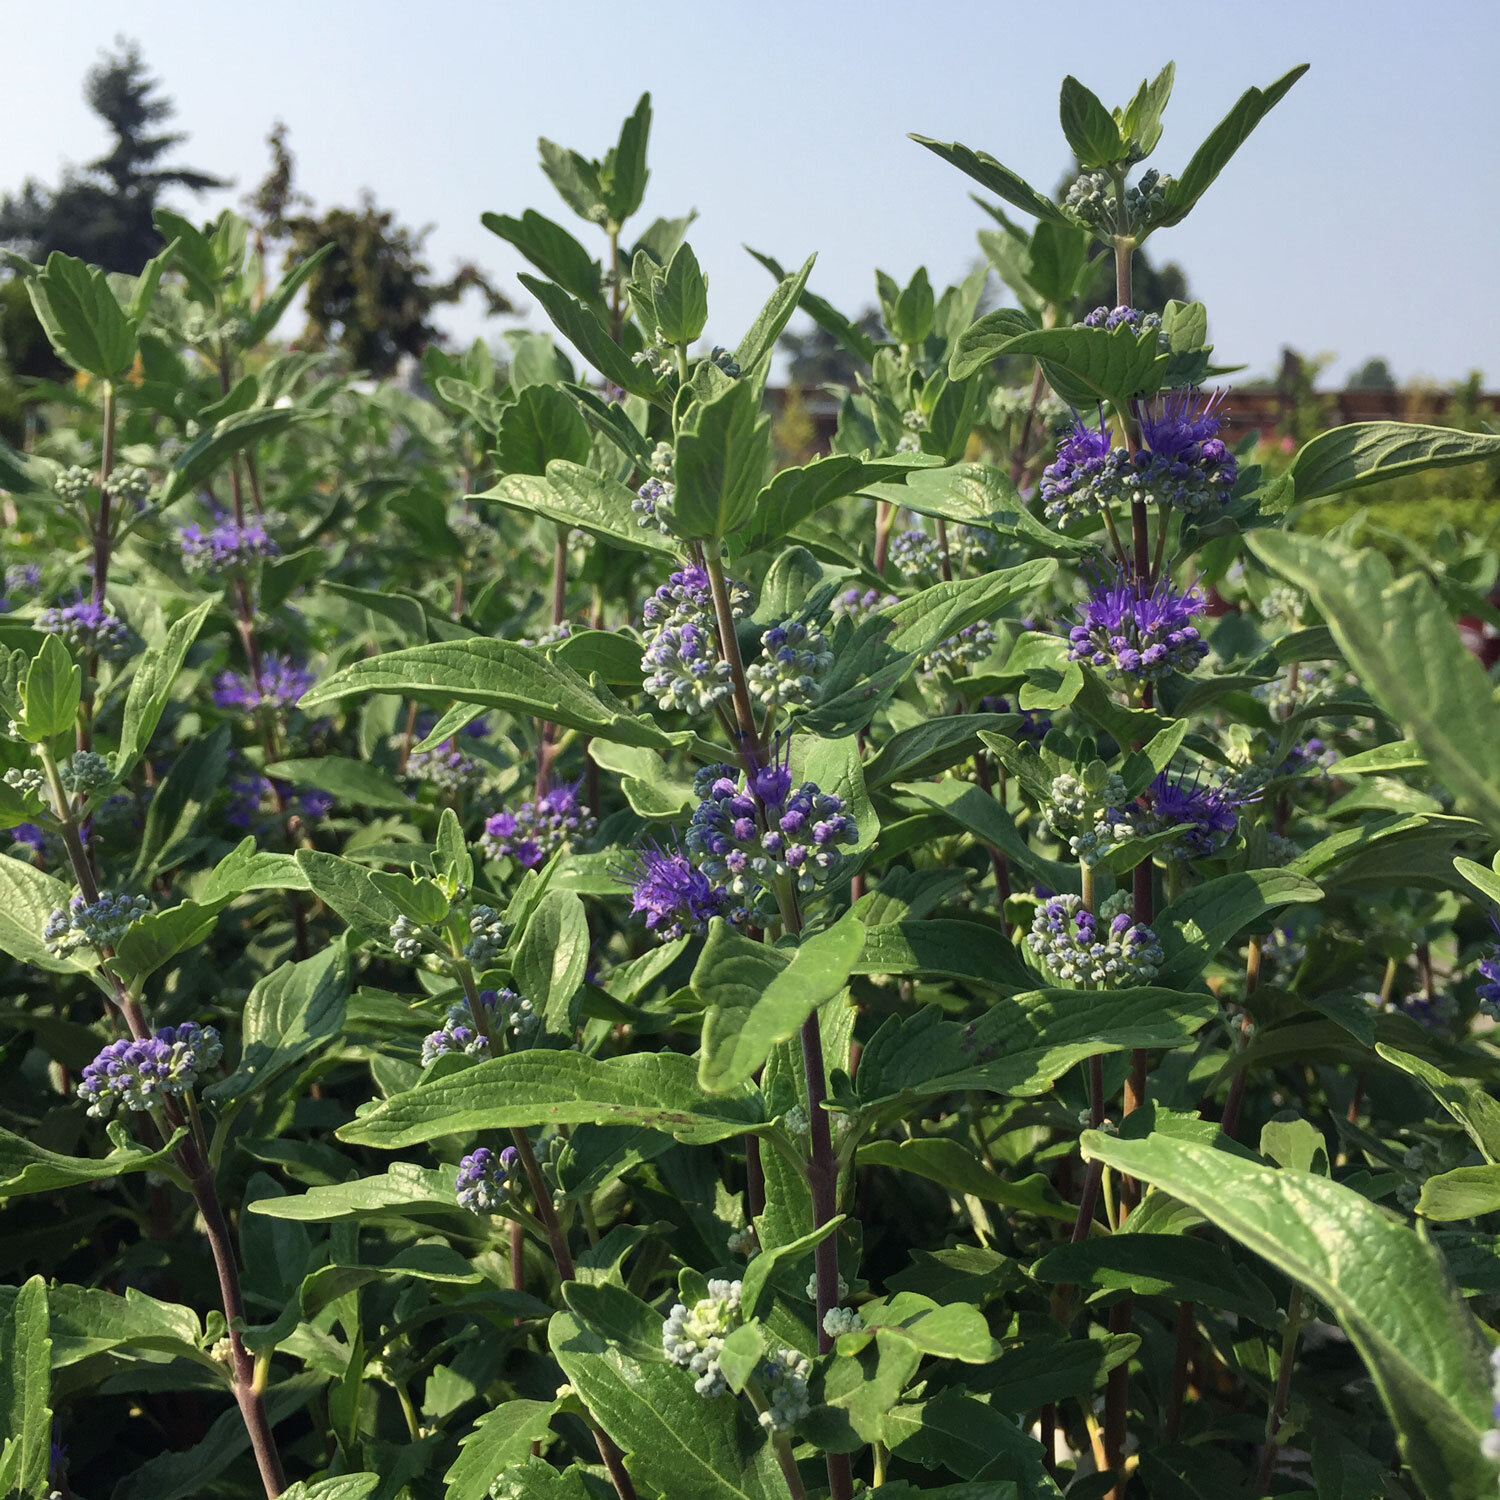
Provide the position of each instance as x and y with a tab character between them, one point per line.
856	604
487	936
26	781
1283	605
506	1012
485	1179
968	648
98	924
1082	810
84	771
1110	318
794	656
1104	952
229	547
749	834
682	661
783	1382
140	1074
20	578
653	500
726	362
406	939
88	629
447	768
694	1337
1092	201
73	484
841	1320
916	555
129	486
538	828
1128	628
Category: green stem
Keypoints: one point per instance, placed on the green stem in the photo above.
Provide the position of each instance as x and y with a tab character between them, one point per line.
1295	1318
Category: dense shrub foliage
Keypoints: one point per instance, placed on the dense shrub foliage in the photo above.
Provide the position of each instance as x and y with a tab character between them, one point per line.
549	960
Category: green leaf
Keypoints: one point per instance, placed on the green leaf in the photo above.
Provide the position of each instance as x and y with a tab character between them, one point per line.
972	808
932	746
543	423
347	889
959	1433
827	317
955	1166
156	670
582	328
262	323
1348	458
211	450
674	1441
432	1260
681	298
1223	141
501	1437
1162	1265
356	783
26	1167
403	1189
552	250
343	1487
624	180
1090	128
756	995
955	1331
1468	1102
493	674
757	1278
1001	181
1141	122
26	1392
451	861
575	496
82	317
1463	1193
28	896
248	868
723	455
1388	1288
289	1012
970	951
982	341
617	1316
160	936
180	804
1081	364
50	691
1400	639
1197	925
774	316
1023	1042
551	958
658	1090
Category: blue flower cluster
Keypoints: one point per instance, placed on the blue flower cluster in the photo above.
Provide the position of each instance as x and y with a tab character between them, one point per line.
537	829
485	1178
1183	462
1108	952
1087	474
1489	971
1110	318
856	604
282	683
139	1074
1131	629
100	924
749	833
653	500
675	897
506	1011
229	547
1205	816
682	661
88	629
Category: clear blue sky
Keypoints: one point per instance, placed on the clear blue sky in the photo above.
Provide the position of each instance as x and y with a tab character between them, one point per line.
1360	219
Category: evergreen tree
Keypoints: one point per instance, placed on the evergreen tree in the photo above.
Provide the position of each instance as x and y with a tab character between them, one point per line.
102	214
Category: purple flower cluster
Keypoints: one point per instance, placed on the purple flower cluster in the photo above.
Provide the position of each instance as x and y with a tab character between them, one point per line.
1142	632
231	546
682	660
916	555
20	578
446	767
855	604
140	1074
1087	474
536	830
1183	462
505	1010
98	924
749	833
484	1179
88	629
1205	816
1489	971
249	794
1110	318
282	683
1086	951
675	897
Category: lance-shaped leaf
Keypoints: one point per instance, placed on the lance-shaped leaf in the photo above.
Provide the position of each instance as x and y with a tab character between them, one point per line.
210	450
26	1393
552	250
1348	458
773	317
756	995
1001	181
582	328
824	314
494	674
571	495
1387	1286
26	1167
264	320
1090	128
723	455
540	1087
1399	637
1223	141
151	687
1195	926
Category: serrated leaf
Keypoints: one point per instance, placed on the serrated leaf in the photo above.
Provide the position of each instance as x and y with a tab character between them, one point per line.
723	457
28	896
501	1437
1090	129
1361	453
26	1167
151	687
774	316
1197	925
210	450
1001	181
355	783
582	328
